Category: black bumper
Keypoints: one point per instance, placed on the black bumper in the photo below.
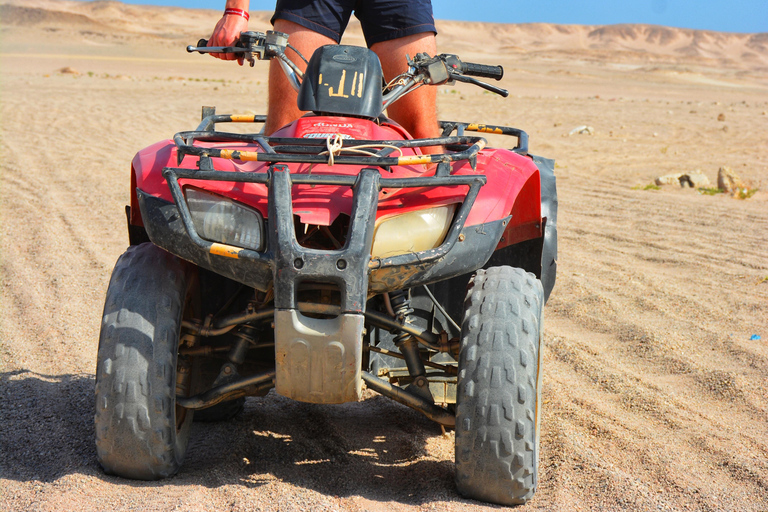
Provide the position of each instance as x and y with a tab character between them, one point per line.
465	249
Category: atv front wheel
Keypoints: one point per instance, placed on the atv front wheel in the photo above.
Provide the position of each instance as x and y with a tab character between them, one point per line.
499	388
140	431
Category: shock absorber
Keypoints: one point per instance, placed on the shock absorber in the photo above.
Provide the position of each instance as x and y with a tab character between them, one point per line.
408	345
244	336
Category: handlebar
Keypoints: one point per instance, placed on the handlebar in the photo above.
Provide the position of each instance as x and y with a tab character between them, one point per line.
436	70
482	70
446	68
253	46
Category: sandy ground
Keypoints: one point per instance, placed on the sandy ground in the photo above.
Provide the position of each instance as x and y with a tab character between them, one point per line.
654	392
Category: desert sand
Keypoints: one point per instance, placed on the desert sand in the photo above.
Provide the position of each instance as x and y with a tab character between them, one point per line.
655	385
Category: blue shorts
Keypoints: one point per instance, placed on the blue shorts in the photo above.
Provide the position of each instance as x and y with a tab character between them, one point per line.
382	20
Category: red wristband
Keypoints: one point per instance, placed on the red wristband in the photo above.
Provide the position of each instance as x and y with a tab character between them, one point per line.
237	12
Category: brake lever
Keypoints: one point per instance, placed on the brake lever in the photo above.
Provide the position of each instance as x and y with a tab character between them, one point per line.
244	54
488	87
216	49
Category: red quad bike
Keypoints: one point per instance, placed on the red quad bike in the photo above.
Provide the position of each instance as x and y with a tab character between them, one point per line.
330	256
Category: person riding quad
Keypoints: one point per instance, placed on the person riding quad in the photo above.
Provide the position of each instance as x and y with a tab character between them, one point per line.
392	29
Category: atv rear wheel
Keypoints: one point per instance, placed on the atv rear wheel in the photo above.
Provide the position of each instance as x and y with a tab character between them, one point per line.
140	431
499	387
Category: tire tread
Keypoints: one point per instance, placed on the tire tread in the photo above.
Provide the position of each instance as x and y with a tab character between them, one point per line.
497	442
135	387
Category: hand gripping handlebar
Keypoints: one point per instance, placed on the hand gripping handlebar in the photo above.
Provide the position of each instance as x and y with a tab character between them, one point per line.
251	46
202	47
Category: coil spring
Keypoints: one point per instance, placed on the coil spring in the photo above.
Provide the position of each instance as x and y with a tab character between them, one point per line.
401	306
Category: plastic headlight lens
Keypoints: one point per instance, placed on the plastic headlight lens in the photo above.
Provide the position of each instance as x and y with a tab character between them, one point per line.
412	232
222	220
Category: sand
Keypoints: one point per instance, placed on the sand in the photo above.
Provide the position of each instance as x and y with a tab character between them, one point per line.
654	392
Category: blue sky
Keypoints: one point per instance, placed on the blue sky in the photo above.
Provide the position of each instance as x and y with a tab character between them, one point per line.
720	15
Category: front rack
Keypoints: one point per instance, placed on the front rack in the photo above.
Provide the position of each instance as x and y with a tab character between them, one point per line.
277	150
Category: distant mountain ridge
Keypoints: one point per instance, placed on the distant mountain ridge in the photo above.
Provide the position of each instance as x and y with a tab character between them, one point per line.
625	42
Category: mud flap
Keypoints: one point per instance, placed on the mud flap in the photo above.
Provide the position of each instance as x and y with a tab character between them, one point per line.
548	211
318	360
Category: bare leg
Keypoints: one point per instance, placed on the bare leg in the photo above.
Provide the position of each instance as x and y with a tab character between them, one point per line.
416	111
282	108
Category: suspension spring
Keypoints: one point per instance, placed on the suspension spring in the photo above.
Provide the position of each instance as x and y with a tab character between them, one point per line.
408	345
401	305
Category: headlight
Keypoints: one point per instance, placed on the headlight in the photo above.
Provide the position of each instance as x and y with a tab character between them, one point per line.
412	232
222	220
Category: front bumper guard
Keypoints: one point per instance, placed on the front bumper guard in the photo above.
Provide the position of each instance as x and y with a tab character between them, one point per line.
286	263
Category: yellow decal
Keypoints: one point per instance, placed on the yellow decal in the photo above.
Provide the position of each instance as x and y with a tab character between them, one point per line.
474	127
354	81
360	87
241	118
340	93
416	159
245	156
227	251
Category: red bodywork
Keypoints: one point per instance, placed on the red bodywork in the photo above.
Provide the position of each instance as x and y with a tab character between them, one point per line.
513	186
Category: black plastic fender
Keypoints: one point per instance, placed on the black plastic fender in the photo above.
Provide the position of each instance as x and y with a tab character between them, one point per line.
548	211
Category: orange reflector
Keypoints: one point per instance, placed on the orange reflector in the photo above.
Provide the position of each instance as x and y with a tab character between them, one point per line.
228	251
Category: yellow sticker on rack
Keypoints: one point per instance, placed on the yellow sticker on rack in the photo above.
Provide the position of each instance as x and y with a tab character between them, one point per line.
245	156
413	160
474	127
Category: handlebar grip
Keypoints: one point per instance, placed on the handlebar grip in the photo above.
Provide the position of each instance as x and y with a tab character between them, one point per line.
481	70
